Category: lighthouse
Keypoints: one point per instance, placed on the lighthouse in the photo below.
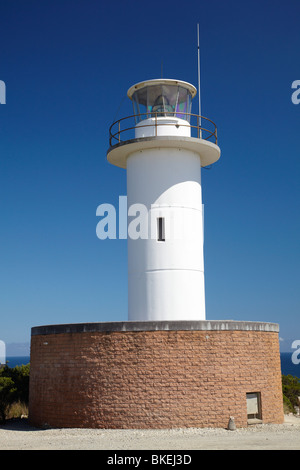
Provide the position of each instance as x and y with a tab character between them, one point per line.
163	147
161	369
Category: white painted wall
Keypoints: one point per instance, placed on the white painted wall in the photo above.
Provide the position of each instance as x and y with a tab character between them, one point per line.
166	279
168	125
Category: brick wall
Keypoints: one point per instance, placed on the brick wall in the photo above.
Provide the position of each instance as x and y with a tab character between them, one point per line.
153	379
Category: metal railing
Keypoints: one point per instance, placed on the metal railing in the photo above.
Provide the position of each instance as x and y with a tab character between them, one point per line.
127	129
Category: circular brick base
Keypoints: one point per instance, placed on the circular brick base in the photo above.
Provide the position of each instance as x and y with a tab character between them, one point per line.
153	374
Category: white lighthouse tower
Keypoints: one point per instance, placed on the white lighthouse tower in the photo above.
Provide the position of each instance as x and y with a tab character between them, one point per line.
163	147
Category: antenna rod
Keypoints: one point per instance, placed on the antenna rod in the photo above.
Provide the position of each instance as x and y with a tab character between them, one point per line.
199	92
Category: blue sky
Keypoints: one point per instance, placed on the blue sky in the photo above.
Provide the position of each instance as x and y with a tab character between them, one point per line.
67	65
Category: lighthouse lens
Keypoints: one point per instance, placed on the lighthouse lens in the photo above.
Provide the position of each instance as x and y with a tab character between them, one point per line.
162	100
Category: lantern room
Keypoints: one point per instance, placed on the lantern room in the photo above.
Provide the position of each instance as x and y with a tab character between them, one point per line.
163	118
156	100
162	98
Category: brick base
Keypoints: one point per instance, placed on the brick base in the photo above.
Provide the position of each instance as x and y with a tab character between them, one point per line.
158	375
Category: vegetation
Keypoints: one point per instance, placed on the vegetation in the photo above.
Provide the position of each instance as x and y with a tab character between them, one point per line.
291	393
14	391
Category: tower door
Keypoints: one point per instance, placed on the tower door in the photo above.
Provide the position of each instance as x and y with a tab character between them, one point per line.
253	407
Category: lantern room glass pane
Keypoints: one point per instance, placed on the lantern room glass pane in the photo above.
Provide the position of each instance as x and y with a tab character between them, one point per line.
162	100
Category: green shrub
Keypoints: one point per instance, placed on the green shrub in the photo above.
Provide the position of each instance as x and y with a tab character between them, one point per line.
14	388
20	377
291	392
287	406
7	391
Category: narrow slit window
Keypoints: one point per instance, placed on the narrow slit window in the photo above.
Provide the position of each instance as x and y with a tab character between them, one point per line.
160	229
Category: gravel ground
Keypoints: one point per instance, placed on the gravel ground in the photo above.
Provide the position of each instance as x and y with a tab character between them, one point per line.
18	435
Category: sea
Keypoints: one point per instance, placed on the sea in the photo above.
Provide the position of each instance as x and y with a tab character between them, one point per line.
13	361
287	365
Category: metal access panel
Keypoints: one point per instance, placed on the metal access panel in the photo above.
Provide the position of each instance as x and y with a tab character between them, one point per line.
253	405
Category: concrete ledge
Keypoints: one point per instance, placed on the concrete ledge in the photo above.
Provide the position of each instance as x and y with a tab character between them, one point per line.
204	325
208	151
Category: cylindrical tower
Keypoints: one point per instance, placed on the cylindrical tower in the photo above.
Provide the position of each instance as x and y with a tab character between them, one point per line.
164	196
